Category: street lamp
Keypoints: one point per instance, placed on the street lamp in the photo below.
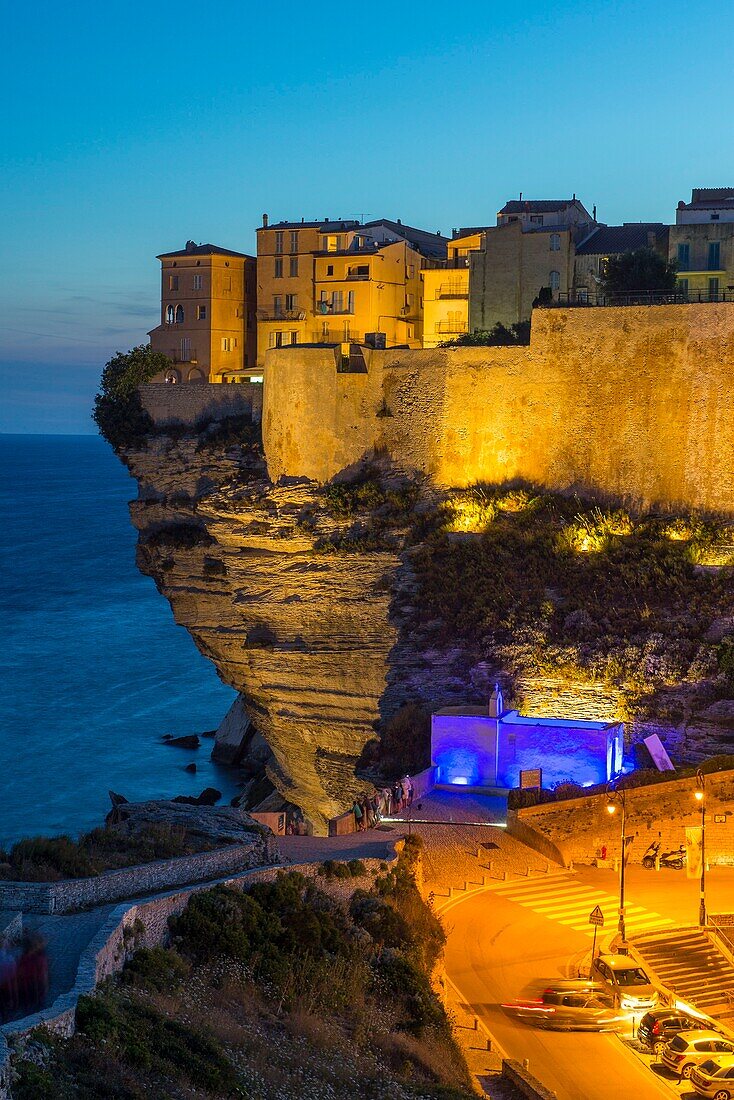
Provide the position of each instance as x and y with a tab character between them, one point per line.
698	794
614	798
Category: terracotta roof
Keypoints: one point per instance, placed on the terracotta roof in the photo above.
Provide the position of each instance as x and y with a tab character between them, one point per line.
536	206
429	244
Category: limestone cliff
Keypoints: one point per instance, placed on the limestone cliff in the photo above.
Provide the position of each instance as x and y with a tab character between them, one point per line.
304	634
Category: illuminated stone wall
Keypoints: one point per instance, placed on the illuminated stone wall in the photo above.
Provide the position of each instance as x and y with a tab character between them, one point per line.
634	402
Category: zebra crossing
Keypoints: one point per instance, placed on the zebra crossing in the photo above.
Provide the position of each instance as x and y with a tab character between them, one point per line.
562	899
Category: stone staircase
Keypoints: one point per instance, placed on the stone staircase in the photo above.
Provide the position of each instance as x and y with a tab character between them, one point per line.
687	963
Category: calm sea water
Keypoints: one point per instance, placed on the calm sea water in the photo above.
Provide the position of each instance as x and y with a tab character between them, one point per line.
93	669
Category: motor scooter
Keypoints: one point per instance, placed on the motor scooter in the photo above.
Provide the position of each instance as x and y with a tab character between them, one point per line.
650	856
675	859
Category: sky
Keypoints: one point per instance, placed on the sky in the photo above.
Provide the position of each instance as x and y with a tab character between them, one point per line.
130	127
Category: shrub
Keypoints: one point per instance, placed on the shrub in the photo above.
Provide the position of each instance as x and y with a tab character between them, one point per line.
158	968
118	411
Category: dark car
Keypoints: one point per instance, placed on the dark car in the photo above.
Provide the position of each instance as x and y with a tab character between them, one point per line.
657	1028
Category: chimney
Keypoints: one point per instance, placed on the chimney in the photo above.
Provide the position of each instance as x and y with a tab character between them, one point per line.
521	196
593	213
265	221
190	246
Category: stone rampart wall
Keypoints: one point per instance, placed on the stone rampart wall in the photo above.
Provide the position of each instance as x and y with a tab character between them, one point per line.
71	894
635	403
190	402
580	827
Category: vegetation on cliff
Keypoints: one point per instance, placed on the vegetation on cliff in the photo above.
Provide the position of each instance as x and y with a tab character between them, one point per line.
285	990
557	585
638	271
500	336
118	412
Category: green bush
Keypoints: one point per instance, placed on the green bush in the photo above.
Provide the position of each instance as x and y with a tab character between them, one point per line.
156	968
118	411
404	745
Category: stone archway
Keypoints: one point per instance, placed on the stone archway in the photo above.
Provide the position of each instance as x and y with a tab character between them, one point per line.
172	376
196	375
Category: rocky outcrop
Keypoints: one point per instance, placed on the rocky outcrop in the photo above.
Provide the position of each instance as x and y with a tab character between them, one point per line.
214	824
304	634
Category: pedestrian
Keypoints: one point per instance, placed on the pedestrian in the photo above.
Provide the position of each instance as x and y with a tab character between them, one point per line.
408	787
375	804
367	813
396	796
386	802
357	811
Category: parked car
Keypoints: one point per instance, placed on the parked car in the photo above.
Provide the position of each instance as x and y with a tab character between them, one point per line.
626	981
692	1048
565	1008
657	1028
714	1078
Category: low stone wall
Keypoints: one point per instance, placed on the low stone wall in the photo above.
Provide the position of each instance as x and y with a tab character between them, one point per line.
579	827
143	878
190	402
523	1080
129	927
523	831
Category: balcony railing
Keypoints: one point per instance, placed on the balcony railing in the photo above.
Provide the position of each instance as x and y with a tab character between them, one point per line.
274	314
178	356
451	327
642	298
452	290
358	275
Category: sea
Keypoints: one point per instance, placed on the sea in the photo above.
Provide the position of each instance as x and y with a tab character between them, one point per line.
93	668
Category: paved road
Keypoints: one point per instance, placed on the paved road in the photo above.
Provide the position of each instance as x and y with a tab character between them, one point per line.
496	949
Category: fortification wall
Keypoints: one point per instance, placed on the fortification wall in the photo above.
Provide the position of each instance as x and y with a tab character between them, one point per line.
190	402
634	402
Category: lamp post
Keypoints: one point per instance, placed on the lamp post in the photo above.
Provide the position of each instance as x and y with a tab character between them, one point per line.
614	798
698	794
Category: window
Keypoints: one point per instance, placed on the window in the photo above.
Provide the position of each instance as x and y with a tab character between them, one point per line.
278	272
411	271
536	219
294	337
713	289
360	271
684	257
179	315
555	242
290	301
173	282
350	301
201	313
228	343
329	269
185	349
714	255
198	282
294	240
279	241
683	286
226	282
555	280
333	244
294	267
278	305
714	217
170	316
337	301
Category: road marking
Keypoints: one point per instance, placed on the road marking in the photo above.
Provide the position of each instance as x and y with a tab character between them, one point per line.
569	903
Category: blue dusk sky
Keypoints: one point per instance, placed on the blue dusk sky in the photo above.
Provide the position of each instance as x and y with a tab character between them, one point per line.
129	127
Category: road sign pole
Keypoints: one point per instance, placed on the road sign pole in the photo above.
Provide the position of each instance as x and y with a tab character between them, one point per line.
593	948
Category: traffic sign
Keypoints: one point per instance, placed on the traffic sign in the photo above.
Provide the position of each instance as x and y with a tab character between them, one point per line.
596	917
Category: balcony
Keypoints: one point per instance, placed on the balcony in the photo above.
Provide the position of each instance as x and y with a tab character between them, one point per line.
453	290
274	314
452	328
642	298
358	275
178	356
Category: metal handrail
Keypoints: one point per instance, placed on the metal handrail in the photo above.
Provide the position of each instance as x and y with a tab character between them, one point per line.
281	315
641	298
451	326
453	290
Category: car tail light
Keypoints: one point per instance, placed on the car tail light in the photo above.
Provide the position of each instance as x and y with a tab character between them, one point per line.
656	1029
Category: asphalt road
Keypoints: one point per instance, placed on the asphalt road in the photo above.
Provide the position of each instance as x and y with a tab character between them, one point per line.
496	950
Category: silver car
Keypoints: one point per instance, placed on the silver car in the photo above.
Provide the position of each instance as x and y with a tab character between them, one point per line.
692	1048
714	1078
628	983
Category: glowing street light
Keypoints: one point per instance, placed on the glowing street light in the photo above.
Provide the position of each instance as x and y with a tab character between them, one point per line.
698	794
616	798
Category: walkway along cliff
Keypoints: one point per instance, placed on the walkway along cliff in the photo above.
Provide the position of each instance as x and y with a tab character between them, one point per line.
307	606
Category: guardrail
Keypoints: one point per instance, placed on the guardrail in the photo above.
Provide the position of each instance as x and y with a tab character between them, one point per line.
641	298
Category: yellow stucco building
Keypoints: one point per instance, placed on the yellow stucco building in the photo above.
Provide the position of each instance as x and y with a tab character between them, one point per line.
341	282
208	327
446	290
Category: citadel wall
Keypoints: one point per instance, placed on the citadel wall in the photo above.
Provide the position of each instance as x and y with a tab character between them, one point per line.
634	402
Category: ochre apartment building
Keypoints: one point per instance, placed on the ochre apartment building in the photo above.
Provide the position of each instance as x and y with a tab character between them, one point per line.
446	290
208	326
342	282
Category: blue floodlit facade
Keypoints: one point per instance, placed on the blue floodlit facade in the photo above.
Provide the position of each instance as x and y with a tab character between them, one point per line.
489	747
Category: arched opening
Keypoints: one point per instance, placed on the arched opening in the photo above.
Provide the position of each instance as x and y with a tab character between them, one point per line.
172	376
196	375
179	315
169	315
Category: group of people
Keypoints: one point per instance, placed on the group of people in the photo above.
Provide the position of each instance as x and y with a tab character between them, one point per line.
382	802
23	976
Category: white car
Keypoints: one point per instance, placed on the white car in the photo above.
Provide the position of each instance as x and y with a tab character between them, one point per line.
629	984
692	1048
714	1078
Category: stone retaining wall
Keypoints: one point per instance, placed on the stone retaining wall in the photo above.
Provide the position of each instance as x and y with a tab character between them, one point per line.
190	402
580	827
523	1080
143	878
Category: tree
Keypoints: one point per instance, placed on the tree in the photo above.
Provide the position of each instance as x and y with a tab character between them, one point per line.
637	272
499	336
118	410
